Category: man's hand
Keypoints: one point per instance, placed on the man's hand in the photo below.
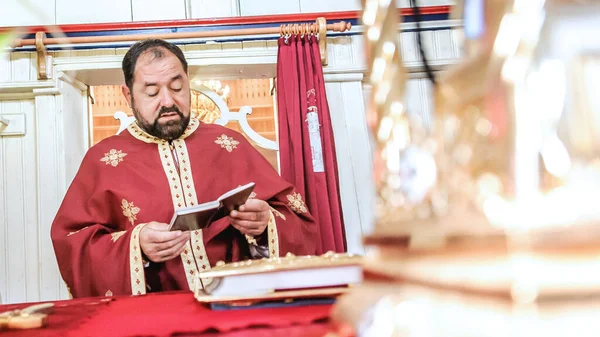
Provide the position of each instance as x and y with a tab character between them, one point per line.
252	217
159	244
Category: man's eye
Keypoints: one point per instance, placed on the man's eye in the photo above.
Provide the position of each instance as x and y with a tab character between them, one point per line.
176	89
152	94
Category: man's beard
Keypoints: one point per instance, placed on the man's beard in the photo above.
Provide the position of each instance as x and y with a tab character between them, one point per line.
169	130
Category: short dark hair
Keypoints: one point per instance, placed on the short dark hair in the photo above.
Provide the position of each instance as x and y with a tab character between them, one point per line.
154	46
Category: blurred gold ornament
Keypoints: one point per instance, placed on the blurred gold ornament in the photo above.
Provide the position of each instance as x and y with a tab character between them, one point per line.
492	229
203	106
519	97
515	133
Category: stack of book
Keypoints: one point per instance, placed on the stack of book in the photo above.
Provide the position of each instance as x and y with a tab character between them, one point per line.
290	279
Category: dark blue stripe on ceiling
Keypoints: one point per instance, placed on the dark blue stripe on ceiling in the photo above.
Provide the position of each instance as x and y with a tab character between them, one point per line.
151	31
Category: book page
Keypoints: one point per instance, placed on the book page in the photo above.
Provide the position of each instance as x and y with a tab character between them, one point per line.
236	197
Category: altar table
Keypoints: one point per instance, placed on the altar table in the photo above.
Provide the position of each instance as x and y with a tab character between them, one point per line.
173	314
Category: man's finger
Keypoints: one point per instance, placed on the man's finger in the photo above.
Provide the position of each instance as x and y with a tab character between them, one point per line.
172	251
167	245
252	216
252	232
247	223
254	205
157	236
245	226
159	226
180	251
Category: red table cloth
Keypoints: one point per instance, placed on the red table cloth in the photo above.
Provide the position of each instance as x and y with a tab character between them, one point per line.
173	314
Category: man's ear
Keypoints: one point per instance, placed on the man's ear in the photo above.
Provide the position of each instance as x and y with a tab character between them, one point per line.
127	94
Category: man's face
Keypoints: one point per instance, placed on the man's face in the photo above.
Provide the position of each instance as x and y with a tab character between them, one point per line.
160	95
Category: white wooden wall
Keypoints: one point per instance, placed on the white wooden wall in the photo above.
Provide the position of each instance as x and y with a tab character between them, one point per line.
47	12
35	169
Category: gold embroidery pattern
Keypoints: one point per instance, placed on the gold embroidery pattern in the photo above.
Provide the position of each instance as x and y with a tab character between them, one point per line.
273	237
136	266
130	211
113	157
278	213
116	235
170	169
227	143
296	203
137	132
77	231
185	171
189	265
183	193
251	240
177	197
108	293
200	254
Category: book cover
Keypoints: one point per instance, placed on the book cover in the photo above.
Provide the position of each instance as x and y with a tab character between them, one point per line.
201	216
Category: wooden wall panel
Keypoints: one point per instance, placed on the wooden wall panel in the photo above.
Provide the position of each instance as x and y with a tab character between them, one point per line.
19	231
107	100
268	7
77	11
27	13
48	12
200	9
149	10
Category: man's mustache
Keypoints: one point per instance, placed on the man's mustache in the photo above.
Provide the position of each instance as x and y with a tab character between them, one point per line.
163	110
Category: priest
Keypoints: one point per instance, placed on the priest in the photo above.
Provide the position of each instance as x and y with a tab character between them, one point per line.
111	234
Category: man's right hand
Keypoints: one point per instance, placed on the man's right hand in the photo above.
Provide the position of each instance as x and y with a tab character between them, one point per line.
159	244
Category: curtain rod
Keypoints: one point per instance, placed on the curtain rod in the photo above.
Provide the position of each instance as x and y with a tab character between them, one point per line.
318	28
314	28
237	20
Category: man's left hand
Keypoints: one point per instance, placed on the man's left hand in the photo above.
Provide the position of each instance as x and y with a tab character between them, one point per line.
252	217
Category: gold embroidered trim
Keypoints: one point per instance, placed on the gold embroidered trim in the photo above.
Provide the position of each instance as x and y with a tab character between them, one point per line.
136	131
113	157
200	255
189	265
227	143
278	213
177	197
77	231
168	163
183	193
136	266
273	237
116	235
296	203
251	240
185	172
108	293
130	211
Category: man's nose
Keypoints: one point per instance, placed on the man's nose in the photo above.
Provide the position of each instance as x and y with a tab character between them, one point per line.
166	99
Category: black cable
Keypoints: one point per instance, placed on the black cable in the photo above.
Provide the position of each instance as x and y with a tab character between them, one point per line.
417	14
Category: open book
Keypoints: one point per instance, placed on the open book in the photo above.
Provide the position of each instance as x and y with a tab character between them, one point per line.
201	216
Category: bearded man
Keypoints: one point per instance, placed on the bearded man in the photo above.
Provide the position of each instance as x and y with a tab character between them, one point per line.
111	234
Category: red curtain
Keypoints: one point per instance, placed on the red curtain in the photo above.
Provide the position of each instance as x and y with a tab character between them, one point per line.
306	145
